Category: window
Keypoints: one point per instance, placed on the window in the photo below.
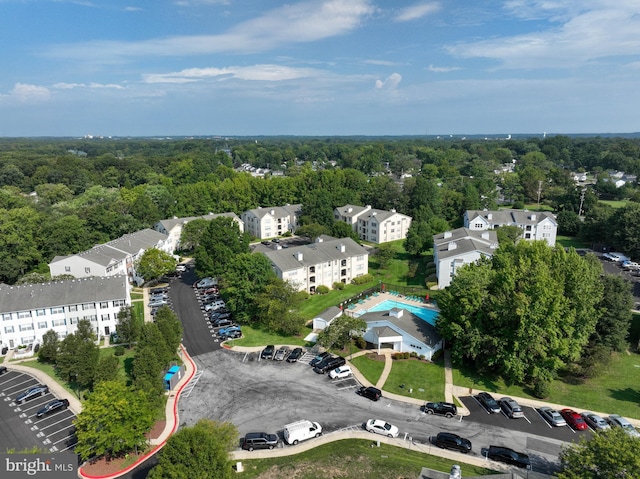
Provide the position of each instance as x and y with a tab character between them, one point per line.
477	225
73	307
8	329
87	270
88	306
360	258
42	325
57	310
93	318
26	327
6	317
104	304
73	320
24	314
546	235
104	317
67	269
28	340
118	303
40	312
58	322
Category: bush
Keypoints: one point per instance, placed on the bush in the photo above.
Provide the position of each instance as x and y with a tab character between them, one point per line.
365	278
432	278
361	343
437	355
541	388
322	289
413	354
339	285
119	351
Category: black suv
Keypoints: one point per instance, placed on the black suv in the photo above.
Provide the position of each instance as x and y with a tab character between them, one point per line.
370	393
268	352
259	440
448	440
319	358
330	365
443	408
222	322
486	401
295	355
508	456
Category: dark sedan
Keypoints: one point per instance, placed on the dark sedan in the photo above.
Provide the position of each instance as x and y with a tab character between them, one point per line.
448	440
35	391
508	456
486	401
295	355
53	406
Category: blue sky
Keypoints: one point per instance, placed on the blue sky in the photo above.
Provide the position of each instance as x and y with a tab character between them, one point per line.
319	67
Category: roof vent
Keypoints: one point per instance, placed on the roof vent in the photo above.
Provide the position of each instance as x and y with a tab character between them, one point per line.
451	246
342	248
489	216
298	255
447	234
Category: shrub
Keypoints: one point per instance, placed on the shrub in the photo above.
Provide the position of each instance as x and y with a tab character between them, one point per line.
437	355
541	388
361	343
407	355
339	285
413	354
119	351
365	278
322	289
422	356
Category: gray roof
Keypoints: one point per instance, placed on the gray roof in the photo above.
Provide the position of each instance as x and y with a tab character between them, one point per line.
379	215
330	313
484	241
61	293
314	253
355	210
278	211
511	217
409	323
170	223
118	249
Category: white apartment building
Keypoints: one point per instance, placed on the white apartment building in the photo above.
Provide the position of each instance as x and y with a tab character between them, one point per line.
535	225
373	225
453	249
30	310
325	262
114	258
271	222
172	227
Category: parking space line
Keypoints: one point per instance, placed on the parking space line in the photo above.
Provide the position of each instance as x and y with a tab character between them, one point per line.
46	427
525	416
479	404
69	447
23	382
58	431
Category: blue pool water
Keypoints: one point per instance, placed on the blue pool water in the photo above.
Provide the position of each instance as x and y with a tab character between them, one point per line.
426	314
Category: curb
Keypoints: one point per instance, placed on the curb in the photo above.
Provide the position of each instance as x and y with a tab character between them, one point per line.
144	458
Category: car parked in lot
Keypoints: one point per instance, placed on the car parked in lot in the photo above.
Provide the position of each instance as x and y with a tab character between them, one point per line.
268	352
320	357
153	291
511	408
228	330
616	257
52	406
446	409
281	353
378	426
3	369
594	421
181	268
215	305
486	401
205	283
295	355
574	420
233	334
448	440
156	303
508	456
331	364
215	315
32	392
340	373
618	421
630	265
552	416
370	393
259	440
222	322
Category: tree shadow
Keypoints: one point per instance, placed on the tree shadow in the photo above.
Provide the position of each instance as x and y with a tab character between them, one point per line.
628	395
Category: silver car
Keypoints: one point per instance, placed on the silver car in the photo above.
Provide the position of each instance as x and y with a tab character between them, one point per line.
595	422
552	416
618	421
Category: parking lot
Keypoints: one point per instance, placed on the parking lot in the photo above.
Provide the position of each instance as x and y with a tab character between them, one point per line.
21	428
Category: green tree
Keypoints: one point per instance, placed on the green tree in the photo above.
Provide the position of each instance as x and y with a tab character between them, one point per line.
524	313
384	254
170	327
340	229
198	452
33	277
277	307
78	356
222	241
129	326
155	263
340	331
312	230
48	351
106	369
612	328
569	223
192	234
608	454
113	421
508	234
247	276
625	226
147	375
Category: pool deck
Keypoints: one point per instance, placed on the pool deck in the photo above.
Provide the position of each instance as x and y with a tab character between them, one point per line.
371	301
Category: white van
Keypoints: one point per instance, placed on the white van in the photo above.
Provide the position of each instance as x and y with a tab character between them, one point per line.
301	430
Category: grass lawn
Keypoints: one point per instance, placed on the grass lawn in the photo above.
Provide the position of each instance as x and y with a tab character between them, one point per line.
138	310
49	370
259	337
570	241
613	391
136	296
538	207
425	379
615	203
371	369
351	459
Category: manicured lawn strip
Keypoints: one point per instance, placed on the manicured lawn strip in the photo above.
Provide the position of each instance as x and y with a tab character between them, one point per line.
259	337
138	309
136	296
369	368
352	459
571	242
407	374
613	391
317	303
614	203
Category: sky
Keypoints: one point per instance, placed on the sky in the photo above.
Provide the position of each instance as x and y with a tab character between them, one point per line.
318	67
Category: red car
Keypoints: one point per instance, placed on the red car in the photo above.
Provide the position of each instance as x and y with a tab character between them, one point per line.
574	419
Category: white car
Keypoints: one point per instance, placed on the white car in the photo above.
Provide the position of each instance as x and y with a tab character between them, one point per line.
378	426
341	372
181	268
616	257
618	421
630	265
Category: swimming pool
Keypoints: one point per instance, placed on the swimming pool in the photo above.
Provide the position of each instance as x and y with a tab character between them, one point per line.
426	314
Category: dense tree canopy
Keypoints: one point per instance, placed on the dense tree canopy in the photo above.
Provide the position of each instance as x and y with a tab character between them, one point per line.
523	313
154	264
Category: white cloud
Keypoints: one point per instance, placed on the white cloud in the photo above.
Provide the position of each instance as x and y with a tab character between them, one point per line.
191	3
25	93
602	31
269	73
390	83
292	23
71	86
416	11
435	69
384	63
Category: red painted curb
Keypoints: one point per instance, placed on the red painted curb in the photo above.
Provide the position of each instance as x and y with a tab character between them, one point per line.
159	446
